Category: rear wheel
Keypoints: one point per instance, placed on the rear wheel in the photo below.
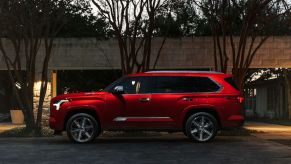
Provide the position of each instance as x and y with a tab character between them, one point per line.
82	128
201	127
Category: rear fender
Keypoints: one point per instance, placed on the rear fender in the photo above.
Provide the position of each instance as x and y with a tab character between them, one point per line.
196	107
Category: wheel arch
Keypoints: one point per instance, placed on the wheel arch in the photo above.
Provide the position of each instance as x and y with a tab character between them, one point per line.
89	111
193	110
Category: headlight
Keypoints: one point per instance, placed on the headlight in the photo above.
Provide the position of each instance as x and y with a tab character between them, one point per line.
59	103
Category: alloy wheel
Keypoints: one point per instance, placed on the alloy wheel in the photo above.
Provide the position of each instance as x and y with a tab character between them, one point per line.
201	127
82	129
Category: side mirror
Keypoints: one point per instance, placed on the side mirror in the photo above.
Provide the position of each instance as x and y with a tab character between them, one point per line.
118	90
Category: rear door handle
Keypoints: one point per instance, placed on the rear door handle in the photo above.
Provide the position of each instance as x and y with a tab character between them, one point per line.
231	97
187	99
145	99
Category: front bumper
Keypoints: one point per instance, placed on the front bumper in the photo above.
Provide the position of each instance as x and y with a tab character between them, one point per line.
55	124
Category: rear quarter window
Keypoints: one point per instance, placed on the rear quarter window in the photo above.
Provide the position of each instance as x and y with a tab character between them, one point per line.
205	84
230	81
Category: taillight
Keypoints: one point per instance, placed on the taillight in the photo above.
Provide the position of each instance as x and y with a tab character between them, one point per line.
240	99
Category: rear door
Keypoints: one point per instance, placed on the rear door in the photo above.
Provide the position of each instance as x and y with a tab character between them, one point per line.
173	94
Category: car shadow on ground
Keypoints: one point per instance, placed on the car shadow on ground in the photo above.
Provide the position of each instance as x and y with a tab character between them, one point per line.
140	140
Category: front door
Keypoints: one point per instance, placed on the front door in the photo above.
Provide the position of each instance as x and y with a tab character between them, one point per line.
134	106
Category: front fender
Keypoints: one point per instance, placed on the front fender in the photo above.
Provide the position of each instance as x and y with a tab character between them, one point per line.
93	105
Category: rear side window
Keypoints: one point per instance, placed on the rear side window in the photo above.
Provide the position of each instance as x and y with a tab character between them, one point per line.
184	84
230	81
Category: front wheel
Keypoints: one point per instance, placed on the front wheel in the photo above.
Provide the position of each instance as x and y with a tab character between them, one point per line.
201	127
82	128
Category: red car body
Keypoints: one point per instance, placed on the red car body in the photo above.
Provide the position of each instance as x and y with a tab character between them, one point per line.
153	111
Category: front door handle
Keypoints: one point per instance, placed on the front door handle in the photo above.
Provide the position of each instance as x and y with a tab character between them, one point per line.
145	99
187	99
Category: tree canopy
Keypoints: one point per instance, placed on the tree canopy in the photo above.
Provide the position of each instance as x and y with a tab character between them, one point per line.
81	21
176	18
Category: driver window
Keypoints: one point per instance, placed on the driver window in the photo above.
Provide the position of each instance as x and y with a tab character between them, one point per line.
136	85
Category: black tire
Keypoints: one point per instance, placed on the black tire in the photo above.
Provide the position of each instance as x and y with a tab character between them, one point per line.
184	131
194	127
88	130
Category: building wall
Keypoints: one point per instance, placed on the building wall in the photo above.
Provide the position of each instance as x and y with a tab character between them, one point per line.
270	100
196	52
261	103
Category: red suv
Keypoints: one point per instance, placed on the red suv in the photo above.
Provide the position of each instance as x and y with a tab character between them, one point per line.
196	103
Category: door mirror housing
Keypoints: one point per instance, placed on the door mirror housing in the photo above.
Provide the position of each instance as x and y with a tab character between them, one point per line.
118	90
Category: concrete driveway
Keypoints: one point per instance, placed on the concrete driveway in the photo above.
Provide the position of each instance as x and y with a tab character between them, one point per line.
168	149
270	131
267	127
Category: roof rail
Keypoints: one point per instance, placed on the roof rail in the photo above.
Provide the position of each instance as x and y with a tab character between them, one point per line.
181	71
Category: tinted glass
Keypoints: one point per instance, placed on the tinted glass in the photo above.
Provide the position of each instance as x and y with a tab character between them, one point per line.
184	84
135	85
230	81
73	81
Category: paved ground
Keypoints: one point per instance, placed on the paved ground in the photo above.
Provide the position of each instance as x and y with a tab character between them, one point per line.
169	149
267	127
270	131
273	146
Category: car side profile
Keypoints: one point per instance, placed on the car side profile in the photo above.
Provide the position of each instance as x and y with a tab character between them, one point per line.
198	103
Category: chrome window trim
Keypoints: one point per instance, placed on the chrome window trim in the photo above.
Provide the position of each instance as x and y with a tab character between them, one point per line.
206	72
218	91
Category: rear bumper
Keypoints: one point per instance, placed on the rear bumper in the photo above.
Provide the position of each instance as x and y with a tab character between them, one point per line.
234	121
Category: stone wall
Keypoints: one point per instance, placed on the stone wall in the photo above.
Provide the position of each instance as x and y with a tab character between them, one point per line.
46	104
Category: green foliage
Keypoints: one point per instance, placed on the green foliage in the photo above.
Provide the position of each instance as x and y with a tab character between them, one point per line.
82	22
79	19
271	19
254	75
180	18
176	18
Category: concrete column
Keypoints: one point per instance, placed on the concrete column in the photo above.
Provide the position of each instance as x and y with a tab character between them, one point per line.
54	83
